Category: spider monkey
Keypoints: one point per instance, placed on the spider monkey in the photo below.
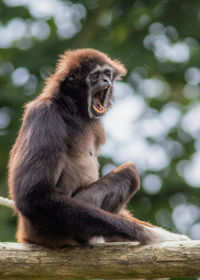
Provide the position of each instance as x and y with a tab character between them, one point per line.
53	168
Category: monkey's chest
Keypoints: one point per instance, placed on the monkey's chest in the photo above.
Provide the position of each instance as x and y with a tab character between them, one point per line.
88	166
84	161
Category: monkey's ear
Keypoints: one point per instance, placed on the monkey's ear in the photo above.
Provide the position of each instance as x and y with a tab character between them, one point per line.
119	68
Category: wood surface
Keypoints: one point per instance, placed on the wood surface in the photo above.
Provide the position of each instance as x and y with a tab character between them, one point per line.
110	260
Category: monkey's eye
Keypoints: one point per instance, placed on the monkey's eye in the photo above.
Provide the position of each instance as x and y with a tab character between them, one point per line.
94	76
107	72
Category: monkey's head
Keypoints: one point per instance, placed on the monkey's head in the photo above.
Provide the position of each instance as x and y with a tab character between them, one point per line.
86	76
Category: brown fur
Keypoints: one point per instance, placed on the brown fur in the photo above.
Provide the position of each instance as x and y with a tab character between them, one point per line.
53	167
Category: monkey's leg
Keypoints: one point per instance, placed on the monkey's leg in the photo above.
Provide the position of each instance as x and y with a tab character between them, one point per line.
113	191
62	218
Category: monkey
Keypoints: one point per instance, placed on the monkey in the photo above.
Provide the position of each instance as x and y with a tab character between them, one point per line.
53	170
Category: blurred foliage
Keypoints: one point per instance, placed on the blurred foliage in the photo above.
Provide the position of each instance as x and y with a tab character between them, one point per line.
154	39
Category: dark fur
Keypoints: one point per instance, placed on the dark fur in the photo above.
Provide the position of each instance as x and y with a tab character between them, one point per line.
53	168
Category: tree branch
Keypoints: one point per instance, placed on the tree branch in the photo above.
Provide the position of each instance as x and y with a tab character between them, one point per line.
111	260
6	202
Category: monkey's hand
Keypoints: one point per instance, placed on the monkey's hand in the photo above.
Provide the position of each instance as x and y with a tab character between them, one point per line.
130	170
161	235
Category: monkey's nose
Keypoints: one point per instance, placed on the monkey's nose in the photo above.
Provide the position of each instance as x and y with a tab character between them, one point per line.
105	82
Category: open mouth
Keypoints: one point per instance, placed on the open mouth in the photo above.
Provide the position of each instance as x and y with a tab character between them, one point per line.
98	101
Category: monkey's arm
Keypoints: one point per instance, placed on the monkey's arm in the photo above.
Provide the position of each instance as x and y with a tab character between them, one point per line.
112	191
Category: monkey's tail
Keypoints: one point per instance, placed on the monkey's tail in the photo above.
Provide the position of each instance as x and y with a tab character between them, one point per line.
6	202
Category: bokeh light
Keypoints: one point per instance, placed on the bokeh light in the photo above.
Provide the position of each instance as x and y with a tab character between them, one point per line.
154	120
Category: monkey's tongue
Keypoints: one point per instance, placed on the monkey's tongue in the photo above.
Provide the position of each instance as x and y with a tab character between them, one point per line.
99	108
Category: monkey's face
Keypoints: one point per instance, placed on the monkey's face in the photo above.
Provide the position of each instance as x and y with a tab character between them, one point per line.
99	82
87	87
91	88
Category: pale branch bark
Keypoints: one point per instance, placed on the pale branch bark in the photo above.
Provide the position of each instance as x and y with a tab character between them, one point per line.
6	202
110	260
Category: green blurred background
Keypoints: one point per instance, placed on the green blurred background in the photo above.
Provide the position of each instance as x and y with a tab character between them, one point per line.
155	120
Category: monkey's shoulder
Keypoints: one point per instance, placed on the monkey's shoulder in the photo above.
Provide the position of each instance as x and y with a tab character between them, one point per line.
44	126
41	110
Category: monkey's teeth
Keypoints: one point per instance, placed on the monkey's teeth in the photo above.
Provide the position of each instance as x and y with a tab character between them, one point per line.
101	106
97	110
97	106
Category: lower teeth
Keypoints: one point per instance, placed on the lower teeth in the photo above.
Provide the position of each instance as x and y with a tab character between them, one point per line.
98	107
98	110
